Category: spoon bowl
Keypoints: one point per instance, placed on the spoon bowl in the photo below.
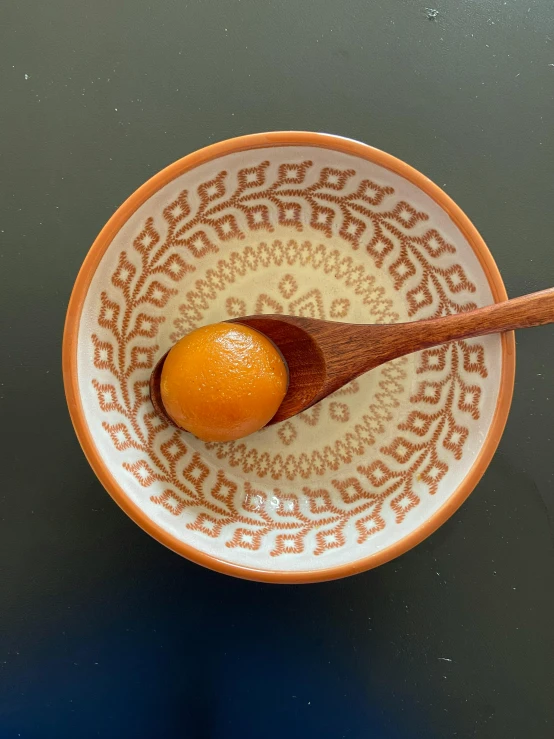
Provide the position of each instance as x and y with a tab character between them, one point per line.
304	359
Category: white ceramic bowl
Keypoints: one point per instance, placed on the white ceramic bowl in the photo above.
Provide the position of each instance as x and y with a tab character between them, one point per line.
307	224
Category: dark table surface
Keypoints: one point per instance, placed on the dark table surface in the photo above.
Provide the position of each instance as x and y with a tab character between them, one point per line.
104	633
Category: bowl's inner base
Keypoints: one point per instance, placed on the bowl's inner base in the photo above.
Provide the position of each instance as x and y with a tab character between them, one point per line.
308	278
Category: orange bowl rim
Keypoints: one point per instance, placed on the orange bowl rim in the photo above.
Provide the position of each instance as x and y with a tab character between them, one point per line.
102	243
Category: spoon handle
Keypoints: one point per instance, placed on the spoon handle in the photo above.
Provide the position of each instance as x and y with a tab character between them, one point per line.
536	309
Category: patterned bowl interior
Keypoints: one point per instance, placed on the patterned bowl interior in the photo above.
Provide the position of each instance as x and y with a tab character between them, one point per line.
307	231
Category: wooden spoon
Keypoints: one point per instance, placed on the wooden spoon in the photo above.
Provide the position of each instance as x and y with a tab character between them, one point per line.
322	356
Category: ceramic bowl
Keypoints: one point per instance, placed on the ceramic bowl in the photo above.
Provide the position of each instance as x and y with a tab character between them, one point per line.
306	224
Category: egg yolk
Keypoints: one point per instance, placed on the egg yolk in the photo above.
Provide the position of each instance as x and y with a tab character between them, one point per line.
223	381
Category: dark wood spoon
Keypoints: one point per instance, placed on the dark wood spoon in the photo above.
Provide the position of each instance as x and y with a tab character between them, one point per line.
322	356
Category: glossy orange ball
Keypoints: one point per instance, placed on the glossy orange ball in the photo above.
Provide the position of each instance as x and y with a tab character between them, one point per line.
223	381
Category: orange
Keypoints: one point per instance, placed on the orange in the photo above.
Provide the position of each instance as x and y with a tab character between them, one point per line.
223	381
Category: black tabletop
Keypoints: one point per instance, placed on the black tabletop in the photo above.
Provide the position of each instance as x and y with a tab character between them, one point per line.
104	632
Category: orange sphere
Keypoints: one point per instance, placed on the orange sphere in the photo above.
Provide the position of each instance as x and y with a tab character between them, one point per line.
223	381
